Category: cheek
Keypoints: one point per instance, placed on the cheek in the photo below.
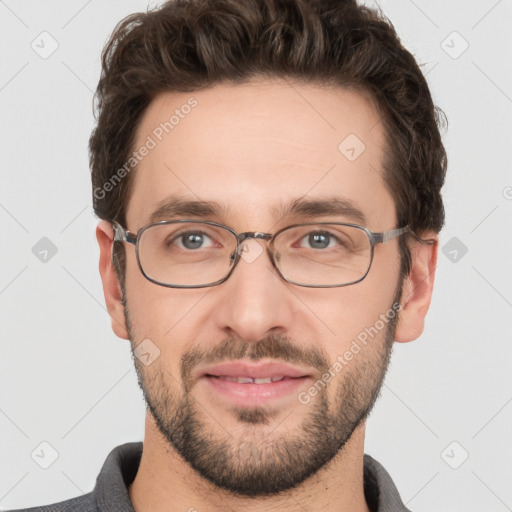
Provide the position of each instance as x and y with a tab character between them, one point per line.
358	349
152	308
358	314
167	317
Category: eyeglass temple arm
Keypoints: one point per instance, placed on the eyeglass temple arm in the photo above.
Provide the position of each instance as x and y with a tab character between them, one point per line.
382	238
123	235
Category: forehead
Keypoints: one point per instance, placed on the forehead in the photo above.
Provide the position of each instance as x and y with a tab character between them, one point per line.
255	147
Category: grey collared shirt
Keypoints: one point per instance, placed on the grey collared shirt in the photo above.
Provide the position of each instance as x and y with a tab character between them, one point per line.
119	469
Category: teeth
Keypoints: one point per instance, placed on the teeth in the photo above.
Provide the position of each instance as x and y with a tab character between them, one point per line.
243	380
249	380
267	380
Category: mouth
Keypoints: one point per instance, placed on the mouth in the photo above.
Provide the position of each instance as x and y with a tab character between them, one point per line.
247	384
250	380
272	370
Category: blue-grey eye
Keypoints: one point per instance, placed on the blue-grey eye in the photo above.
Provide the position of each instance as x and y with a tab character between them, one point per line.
194	240
317	240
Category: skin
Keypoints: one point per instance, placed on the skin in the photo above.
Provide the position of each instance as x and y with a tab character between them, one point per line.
253	147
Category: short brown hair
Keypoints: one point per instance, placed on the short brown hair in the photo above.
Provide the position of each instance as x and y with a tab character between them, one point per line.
188	45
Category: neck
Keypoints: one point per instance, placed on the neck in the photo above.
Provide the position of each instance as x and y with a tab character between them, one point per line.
165	482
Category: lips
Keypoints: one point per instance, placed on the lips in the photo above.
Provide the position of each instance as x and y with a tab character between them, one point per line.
246	384
250	380
254	373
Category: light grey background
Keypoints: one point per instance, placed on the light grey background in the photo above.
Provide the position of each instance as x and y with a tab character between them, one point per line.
68	381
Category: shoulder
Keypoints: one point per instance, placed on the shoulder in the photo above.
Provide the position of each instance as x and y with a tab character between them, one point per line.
379	489
85	503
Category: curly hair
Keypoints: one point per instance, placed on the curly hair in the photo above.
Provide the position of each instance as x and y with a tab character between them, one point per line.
189	45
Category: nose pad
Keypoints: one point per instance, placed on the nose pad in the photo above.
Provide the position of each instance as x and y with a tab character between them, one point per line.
250	248
235	256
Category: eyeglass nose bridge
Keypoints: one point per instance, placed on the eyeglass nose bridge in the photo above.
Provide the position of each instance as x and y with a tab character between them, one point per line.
242	237
253	234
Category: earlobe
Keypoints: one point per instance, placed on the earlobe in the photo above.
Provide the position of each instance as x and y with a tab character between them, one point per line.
111	285
417	289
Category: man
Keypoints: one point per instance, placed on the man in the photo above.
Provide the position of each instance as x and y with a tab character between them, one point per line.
268	177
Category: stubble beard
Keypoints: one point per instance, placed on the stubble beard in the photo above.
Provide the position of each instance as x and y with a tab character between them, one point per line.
259	463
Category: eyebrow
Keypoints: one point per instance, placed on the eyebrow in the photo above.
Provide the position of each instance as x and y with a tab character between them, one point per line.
318	207
305	209
177	206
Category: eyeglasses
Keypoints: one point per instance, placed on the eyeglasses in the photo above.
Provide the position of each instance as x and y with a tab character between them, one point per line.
196	254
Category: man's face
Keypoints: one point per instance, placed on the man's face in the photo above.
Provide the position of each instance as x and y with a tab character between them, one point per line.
254	149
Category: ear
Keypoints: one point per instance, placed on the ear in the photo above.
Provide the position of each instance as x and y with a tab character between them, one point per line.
111	285
417	289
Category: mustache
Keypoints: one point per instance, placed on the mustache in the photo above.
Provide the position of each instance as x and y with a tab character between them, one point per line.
274	346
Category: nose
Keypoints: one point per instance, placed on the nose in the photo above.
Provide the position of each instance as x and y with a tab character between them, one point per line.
255	301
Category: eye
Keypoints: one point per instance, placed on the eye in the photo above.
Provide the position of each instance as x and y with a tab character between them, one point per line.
193	240
318	240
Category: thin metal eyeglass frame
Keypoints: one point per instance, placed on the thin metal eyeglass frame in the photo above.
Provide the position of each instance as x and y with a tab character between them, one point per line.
121	234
